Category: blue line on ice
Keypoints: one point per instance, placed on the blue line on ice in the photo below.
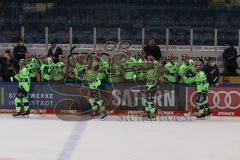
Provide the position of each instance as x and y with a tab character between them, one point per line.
72	141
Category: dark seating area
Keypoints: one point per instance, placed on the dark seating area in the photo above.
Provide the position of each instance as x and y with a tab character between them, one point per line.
130	15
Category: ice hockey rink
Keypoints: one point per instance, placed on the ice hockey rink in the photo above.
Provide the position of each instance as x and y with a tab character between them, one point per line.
48	138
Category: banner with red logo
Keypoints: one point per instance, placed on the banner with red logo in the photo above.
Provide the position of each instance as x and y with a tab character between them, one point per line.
122	98
223	101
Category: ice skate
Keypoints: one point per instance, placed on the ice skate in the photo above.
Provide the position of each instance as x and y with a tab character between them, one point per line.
208	112
200	116
150	116
16	114
103	115
94	113
25	113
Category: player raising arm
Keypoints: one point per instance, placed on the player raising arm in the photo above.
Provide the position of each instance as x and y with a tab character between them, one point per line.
47	69
33	66
22	98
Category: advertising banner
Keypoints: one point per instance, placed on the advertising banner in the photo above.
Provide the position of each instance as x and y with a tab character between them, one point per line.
43	97
125	98
132	96
47	97
223	101
198	55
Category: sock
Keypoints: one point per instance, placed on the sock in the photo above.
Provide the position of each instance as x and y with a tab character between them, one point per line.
92	101
26	108
18	109
201	109
152	110
147	109
94	107
102	108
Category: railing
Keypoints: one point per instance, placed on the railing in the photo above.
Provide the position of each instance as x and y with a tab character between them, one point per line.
119	37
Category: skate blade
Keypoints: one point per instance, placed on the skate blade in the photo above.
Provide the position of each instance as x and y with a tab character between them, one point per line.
103	117
24	116
203	118
146	118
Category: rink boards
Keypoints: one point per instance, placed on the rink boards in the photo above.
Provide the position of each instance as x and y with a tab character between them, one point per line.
57	98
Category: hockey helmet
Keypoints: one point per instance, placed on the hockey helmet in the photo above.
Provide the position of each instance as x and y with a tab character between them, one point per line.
171	57
186	56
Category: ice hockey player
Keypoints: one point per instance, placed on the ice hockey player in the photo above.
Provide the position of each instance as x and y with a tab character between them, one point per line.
202	92
99	65
113	72
171	70
79	69
152	76
94	84
141	66
128	65
59	69
156	64
33	66
47	69
187	70
22	99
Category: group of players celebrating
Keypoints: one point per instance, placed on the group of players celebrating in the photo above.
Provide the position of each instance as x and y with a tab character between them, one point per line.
95	71
29	68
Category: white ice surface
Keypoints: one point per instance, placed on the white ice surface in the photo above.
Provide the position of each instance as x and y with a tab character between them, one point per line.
51	139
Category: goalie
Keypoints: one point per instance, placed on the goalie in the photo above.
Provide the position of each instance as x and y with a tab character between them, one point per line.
23	89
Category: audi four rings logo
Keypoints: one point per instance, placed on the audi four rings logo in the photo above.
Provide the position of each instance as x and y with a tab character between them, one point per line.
228	98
